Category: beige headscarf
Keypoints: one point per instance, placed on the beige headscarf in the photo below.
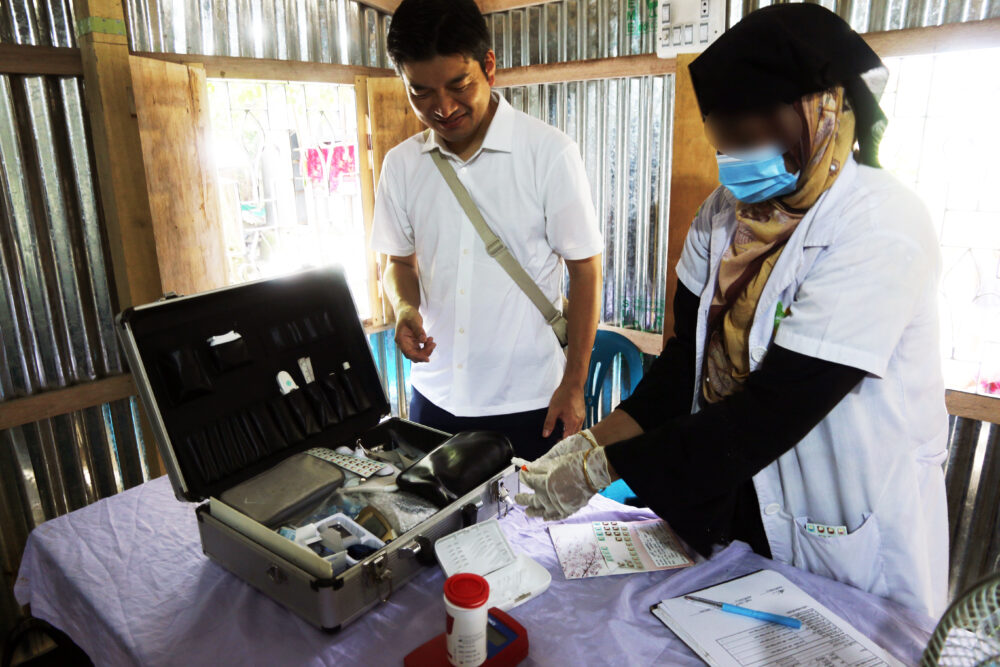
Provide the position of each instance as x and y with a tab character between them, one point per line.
761	234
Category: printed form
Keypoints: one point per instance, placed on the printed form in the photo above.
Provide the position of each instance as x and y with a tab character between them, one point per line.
728	640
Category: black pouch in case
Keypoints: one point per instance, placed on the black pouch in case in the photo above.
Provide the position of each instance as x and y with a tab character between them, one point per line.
338	397
325	413
191	458
289	427
219	449
302	412
260	422
205	461
353	389
456	466
183	375
294	333
237	441
310	332
229	355
257	443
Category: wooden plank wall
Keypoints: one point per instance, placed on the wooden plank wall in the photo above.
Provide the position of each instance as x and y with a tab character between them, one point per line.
171	105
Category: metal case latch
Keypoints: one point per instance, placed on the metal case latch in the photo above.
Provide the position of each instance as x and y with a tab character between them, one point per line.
377	570
498	494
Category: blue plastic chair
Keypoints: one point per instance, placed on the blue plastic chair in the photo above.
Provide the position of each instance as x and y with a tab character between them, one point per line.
597	392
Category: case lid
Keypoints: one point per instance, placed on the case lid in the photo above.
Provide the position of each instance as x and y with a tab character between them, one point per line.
210	370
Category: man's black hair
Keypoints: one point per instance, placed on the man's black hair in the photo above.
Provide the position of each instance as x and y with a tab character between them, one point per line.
422	29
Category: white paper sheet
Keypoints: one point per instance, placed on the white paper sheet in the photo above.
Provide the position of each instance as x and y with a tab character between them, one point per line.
602	548
729	640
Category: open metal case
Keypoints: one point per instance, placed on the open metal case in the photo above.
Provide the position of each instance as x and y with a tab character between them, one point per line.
219	418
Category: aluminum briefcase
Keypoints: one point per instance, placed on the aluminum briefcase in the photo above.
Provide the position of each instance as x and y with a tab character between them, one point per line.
206	370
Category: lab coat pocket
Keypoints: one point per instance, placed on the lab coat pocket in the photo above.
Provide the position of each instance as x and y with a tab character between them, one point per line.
854	559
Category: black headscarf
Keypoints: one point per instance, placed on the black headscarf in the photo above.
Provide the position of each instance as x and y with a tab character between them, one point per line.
783	52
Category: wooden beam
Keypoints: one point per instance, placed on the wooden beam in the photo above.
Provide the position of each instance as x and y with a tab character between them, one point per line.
583	70
973	406
48	404
121	178
385	6
227	67
693	176
485	6
935	39
372	328
366	176
490	6
392	121
60	61
647	342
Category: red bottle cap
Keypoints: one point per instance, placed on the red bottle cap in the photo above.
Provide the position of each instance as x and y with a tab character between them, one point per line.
467	590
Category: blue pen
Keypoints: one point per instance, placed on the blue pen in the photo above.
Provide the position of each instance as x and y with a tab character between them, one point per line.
787	621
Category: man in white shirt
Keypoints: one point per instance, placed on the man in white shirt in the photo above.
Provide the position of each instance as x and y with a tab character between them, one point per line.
484	357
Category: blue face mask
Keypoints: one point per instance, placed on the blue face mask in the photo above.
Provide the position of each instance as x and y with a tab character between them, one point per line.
757	175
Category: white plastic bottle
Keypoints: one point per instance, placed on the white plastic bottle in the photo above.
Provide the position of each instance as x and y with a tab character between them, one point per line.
465	598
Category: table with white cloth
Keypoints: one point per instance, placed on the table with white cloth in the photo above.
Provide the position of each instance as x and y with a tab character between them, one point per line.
126	579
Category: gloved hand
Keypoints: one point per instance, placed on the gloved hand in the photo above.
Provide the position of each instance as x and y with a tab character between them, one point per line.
563	484
578	442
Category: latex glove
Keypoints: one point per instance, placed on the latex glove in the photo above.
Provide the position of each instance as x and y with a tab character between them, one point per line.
563	484
579	442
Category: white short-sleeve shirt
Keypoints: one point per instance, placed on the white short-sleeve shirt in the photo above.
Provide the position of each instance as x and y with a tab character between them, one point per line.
495	353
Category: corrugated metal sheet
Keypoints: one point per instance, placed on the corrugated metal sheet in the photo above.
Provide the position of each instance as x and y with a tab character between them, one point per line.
582	29
37	22
623	128
325	31
973	482
880	15
55	314
570	30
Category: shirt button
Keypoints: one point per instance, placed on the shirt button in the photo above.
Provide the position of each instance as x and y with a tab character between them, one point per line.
771	509
757	353
459	366
461	330
465	251
461	291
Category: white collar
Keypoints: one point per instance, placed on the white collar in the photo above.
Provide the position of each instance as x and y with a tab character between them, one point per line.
499	135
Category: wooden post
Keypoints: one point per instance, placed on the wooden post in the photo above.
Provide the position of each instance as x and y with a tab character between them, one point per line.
121	179
693	176
375	296
389	121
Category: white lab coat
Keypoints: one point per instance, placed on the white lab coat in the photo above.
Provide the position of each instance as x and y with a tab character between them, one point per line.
857	284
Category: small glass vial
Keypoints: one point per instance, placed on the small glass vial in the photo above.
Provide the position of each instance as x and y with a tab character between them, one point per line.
465	598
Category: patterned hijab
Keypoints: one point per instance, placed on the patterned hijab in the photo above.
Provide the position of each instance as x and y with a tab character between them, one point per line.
761	233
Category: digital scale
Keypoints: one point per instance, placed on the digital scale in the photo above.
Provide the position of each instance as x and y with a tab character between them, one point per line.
506	645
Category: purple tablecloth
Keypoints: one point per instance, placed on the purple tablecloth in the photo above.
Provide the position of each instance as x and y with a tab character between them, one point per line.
127	580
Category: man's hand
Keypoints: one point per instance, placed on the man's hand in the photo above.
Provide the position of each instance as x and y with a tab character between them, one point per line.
411	339
567	405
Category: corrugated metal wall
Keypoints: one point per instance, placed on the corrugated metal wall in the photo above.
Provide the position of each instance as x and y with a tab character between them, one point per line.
57	306
880	15
973	480
623	129
569	30
325	31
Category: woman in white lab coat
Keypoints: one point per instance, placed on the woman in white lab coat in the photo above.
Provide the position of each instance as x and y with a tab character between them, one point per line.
799	406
